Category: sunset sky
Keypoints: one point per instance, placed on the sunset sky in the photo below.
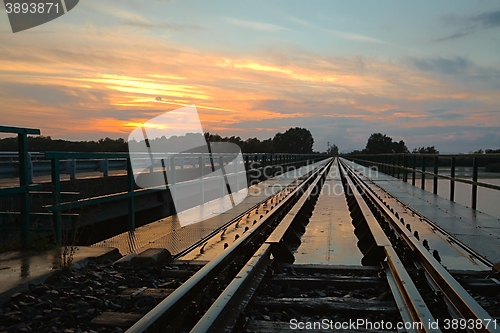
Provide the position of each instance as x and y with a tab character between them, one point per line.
425	72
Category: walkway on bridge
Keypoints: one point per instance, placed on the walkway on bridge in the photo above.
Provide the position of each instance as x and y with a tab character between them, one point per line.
475	229
329	238
167	233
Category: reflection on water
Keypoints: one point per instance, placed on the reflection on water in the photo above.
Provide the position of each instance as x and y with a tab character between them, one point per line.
466	172
487	199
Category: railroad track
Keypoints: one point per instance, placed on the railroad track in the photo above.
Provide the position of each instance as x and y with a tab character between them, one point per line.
253	285
238	269
385	223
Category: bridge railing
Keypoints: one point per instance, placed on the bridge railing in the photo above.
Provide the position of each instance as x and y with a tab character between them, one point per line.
161	162
72	163
24	188
400	165
39	165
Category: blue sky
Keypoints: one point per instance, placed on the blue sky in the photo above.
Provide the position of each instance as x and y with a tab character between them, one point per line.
424	72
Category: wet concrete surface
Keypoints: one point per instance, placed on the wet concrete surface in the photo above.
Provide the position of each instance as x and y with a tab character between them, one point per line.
167	233
20	268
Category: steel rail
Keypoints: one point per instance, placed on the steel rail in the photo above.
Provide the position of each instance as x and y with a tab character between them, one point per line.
153	320
410	303
224	312
215	232
456	295
451	237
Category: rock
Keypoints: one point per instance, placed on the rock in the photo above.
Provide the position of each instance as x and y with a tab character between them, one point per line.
151	257
16	297
100	291
40	290
292	292
83	304
99	304
16	327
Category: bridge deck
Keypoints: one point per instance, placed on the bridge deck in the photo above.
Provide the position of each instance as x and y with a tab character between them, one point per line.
329	238
478	230
167	233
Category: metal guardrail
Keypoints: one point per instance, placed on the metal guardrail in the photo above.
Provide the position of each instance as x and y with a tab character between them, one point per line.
57	163
451	289
399	165
76	162
263	160
24	188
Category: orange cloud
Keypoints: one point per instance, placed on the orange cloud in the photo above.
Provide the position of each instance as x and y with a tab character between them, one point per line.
107	80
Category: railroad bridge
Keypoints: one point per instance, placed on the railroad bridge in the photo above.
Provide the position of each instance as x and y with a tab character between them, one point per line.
320	243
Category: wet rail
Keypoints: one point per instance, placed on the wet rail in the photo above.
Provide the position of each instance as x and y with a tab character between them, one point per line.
239	259
423	294
462	307
411	277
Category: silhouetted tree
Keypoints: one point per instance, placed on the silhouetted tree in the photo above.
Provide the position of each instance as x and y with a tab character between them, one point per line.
492	151
333	150
425	150
379	143
400	147
294	140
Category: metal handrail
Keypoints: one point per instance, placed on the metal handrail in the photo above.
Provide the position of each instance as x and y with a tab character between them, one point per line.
58	206
393	162
428	155
457	179
69	159
468	307
24	177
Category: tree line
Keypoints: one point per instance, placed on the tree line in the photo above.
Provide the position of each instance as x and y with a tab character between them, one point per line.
294	140
379	143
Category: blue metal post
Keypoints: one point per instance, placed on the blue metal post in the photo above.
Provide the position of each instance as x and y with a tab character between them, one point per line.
398	162
22	140
393	165
423	173
474	178
56	182
452	181
435	187
405	170
413	166
131	201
